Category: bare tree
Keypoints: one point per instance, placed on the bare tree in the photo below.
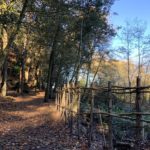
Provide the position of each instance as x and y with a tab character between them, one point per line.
127	48
139	32
134	41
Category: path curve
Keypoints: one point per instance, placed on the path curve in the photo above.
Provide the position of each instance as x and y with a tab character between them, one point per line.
27	123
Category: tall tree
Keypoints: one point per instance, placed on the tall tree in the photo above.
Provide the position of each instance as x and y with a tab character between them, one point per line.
139	29
11	39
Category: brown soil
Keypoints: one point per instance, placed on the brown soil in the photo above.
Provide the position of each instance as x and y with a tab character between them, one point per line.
27	123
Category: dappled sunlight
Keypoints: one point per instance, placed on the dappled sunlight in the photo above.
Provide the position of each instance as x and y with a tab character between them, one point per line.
29	116
35	123
55	115
72	78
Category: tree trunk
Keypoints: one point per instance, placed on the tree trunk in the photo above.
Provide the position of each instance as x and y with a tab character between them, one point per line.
0	78
27	74
47	91
4	78
97	69
89	67
57	81
79	54
51	62
23	76
37	77
138	116
7	48
74	73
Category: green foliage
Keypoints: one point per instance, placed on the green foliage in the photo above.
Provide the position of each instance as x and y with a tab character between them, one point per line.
36	35
82	83
16	69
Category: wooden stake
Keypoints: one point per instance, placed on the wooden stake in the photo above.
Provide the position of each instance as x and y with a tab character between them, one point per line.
64	102
70	107
91	118
110	118
78	112
138	116
56	99
59	101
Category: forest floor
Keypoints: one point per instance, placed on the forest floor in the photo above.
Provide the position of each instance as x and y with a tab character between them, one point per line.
26	123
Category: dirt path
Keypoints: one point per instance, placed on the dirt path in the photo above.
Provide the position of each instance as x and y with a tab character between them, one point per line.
27	123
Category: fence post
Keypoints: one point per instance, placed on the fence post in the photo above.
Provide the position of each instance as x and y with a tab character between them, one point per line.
138	116
60	99
91	116
56	99
72	86
78	112
64	102
110	117
68	103
70	108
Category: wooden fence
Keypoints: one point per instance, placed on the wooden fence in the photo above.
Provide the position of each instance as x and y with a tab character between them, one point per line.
68	101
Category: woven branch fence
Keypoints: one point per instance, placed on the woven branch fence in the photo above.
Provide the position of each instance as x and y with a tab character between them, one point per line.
69	100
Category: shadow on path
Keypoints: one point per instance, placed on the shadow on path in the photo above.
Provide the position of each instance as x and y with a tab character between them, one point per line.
27	123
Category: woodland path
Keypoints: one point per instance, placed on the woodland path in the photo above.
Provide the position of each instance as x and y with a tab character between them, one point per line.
26	123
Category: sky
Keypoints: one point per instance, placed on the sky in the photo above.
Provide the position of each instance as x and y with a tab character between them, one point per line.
128	10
